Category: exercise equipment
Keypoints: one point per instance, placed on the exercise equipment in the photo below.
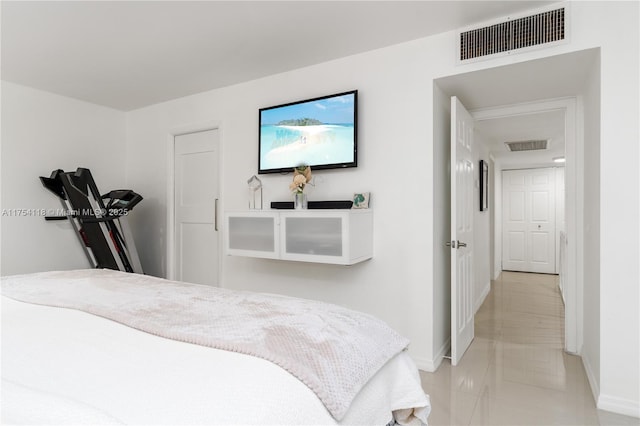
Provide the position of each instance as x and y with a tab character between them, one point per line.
99	221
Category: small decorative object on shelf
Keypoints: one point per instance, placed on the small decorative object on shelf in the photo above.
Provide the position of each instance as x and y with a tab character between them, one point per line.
361	200
255	193
299	200
301	177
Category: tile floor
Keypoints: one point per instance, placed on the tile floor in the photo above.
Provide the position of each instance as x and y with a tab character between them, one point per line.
515	371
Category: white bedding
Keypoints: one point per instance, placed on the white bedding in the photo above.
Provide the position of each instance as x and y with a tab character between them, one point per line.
333	350
63	366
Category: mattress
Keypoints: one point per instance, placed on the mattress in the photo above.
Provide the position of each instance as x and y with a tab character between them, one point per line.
64	366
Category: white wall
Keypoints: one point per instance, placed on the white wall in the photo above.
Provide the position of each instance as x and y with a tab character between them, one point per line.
481	229
396	162
592	280
561	215
441	224
394	148
492	218
496	204
42	132
619	209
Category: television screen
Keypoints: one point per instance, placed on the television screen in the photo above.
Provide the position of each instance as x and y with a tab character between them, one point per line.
319	132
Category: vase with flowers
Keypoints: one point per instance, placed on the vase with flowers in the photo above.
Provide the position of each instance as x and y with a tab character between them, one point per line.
301	177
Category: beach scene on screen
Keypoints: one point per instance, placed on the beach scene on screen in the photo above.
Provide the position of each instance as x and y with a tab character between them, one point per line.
313	133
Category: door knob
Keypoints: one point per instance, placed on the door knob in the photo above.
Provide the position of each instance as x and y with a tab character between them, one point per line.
461	244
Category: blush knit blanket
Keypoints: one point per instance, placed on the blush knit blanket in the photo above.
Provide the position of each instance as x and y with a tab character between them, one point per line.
331	349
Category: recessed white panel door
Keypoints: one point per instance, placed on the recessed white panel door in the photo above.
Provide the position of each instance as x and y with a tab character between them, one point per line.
462	178
529	220
196	194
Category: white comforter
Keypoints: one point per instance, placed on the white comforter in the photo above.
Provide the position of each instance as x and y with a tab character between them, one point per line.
63	366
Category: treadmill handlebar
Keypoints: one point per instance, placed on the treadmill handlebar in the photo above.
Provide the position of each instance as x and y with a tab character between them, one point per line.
54	184
120	199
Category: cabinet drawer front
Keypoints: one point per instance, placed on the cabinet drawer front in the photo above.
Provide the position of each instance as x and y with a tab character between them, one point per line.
317	236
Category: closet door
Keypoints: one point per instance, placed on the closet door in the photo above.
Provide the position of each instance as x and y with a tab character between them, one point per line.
529	220
196	181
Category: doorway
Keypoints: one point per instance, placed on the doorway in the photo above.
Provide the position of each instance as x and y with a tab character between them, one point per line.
563	112
529	198
485	92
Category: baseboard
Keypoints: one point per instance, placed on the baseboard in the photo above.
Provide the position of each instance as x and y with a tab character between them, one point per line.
431	365
480	300
614	404
425	364
617	405
496	272
593	383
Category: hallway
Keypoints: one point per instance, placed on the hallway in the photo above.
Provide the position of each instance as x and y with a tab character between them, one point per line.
515	372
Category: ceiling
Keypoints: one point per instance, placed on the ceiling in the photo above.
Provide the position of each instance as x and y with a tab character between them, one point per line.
130	54
542	79
547	126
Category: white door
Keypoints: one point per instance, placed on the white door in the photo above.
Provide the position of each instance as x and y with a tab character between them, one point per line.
529	220
462	178
196	200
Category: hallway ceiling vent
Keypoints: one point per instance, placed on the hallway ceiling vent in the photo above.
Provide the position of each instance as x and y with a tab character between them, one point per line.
533	31
531	145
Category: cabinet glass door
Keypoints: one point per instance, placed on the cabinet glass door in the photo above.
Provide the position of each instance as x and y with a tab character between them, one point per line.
252	235
316	236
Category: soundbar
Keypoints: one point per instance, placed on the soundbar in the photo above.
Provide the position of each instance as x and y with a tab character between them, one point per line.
330	204
282	204
288	205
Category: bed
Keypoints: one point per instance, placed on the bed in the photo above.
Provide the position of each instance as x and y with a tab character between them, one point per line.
108	347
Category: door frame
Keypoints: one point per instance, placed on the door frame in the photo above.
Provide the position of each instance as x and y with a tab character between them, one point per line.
170	260
574	218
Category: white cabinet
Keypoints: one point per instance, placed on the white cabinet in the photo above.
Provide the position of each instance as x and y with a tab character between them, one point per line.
342	237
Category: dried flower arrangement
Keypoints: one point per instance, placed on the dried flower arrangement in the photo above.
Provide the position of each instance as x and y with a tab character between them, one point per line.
301	177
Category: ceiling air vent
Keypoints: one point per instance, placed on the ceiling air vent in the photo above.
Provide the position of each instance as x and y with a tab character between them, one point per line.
529	31
532	145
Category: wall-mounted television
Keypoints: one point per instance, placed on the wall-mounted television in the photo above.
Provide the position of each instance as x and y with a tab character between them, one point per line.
320	132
